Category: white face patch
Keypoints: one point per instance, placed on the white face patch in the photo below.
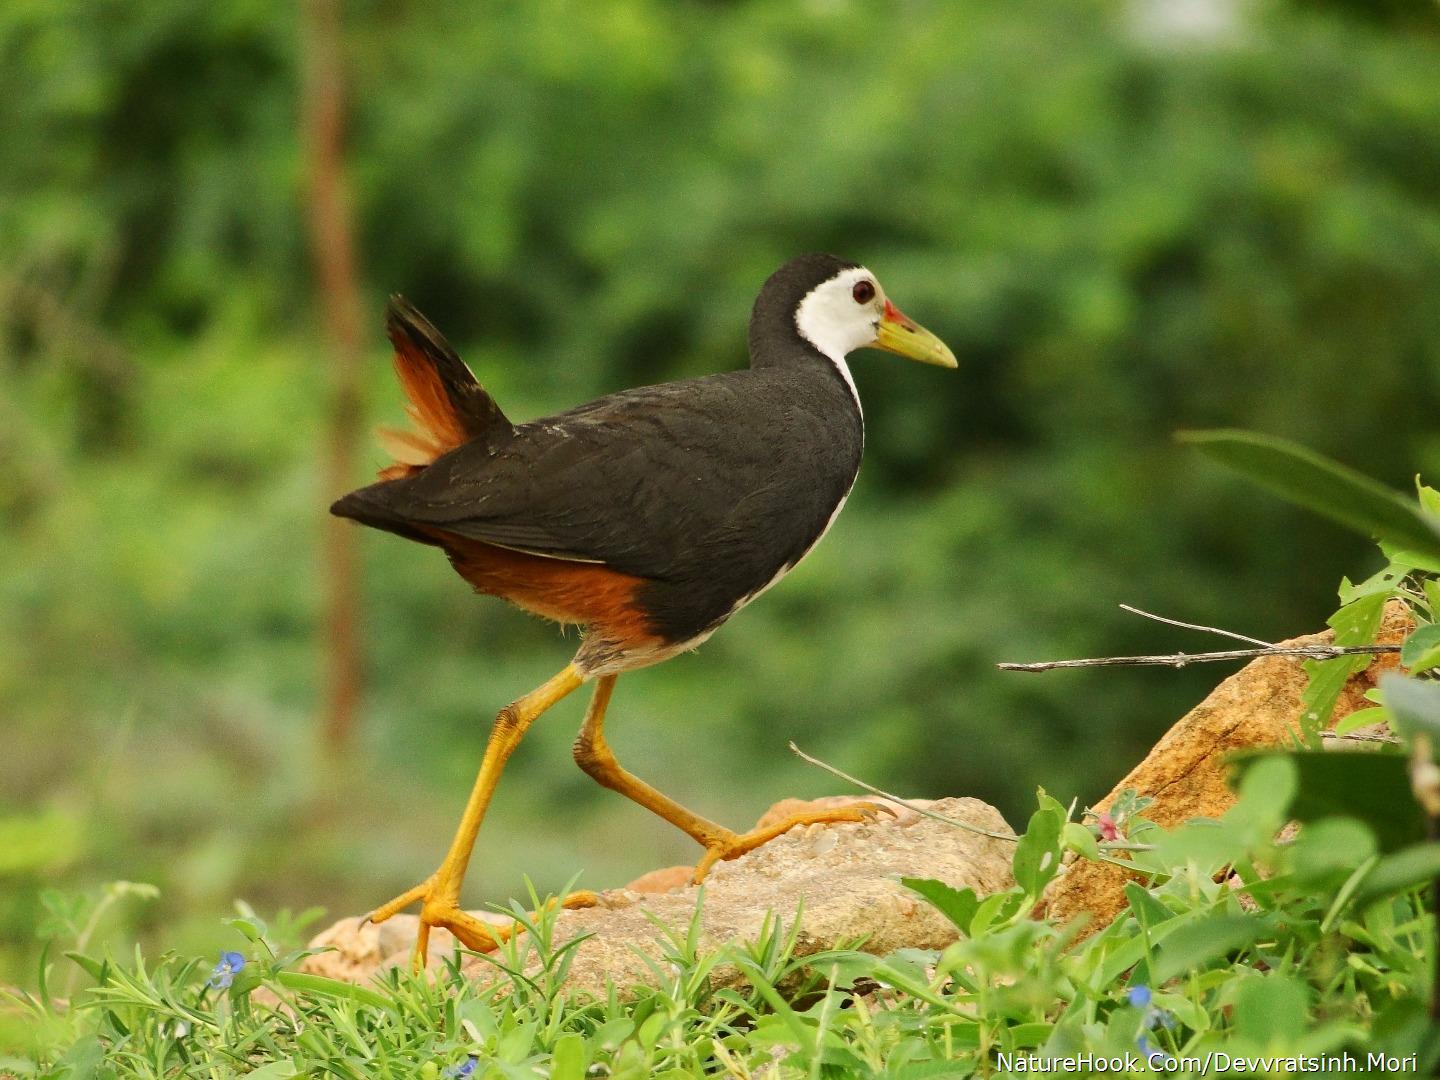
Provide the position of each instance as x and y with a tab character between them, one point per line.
836	323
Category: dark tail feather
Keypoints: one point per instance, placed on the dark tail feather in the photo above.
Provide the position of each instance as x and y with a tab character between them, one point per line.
413	334
373	506
447	403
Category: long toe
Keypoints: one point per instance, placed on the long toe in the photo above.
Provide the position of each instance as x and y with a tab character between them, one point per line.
401	902
475	934
736	845
440	907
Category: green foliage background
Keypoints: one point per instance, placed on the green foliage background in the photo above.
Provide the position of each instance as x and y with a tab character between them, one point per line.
1122	227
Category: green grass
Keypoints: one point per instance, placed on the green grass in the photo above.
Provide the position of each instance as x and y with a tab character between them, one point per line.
1278	955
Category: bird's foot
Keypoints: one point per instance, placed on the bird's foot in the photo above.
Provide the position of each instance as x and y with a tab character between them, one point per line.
734	845
440	906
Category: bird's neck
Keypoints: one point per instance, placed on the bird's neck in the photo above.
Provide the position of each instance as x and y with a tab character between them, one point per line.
776	345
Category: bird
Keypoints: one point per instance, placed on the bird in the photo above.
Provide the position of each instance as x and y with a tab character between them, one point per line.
648	517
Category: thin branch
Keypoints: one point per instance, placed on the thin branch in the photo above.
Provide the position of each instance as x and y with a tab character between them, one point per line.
1197	626
1105	845
1357	736
1180	660
922	811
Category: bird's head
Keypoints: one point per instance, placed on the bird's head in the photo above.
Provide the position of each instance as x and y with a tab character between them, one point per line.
838	307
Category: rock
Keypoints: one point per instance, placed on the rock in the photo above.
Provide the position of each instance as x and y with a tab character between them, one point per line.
357	949
1185	771
843	878
666	879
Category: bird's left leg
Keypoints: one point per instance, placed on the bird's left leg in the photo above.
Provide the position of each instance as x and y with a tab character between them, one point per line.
594	756
439	894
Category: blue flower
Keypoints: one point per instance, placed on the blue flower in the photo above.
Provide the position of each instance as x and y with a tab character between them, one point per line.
463	1070
1139	996
224	974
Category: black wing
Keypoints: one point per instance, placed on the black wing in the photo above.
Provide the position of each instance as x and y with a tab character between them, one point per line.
741	470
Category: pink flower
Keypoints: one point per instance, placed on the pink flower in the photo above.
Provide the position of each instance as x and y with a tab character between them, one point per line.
1106	824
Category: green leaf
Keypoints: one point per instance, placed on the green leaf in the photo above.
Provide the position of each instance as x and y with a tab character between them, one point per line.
1421	650
1272	1010
569	1060
1356	623
81	1060
1411	559
1428	496
957	905
1329	850
1414	705
995	908
1149	912
276	1070
1327	487
1081	840
92	967
318	984
1362	718
1037	855
1193	946
1370	786
1207	844
1266	791
1397	873
253	927
1030	1034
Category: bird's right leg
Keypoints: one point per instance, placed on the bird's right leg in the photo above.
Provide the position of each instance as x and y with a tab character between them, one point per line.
594	756
439	894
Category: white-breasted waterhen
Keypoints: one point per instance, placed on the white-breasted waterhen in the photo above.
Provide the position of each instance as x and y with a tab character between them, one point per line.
649	517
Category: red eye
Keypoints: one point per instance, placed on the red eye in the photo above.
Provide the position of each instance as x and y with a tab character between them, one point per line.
863	292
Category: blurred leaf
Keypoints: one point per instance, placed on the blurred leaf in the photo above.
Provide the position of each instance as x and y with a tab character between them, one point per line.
1421	649
253	927
1267	791
1330	848
318	984
1197	944
276	1070
92	967
1272	1010
39	844
1371	786
1414	705
1327	487
1148	910
1399	872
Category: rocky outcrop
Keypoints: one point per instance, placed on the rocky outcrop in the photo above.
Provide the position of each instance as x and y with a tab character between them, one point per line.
1185	772
840	881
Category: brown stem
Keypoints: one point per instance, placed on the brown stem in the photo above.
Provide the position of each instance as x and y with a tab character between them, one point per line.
333	253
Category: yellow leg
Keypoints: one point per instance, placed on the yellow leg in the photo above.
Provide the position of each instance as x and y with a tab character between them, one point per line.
594	756
439	894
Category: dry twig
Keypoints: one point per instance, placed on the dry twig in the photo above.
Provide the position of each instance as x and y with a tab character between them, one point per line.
1105	845
1180	659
